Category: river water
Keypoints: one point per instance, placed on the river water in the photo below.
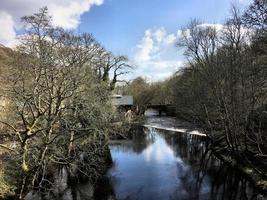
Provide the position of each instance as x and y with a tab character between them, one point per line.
170	159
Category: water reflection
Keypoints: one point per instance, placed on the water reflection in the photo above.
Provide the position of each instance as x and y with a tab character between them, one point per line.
160	164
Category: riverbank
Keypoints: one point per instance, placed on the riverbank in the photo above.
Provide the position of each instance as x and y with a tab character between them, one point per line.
159	164
252	175
259	181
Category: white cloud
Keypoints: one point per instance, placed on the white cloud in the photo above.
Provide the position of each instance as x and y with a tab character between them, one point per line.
220	28
7	34
152	43
156	55
158	70
68	15
65	13
186	32
245	2
160	34
217	27
161	65
146	47
170	39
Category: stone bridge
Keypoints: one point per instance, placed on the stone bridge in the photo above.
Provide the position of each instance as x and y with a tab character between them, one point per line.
167	109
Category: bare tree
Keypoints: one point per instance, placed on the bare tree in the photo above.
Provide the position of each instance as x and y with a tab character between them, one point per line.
224	85
54	93
111	67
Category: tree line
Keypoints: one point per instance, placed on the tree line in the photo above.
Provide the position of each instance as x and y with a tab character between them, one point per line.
55	106
223	85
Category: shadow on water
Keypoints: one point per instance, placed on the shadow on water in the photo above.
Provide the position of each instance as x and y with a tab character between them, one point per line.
158	164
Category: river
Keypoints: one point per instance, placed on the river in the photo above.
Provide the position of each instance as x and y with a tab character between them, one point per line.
169	159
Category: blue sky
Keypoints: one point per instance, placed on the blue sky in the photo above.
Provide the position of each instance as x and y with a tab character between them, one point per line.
144	30
120	25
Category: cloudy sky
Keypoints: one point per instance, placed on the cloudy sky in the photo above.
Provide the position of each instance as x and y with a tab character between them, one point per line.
144	30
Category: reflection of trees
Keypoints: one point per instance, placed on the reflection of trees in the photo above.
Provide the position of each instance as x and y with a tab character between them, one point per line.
231	185
189	147
140	139
202	176
207	177
104	189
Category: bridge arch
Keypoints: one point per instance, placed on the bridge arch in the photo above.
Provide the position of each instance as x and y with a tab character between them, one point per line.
161	109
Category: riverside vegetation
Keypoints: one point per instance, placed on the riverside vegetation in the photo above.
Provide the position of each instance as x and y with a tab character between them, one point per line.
222	87
55	107
56	104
